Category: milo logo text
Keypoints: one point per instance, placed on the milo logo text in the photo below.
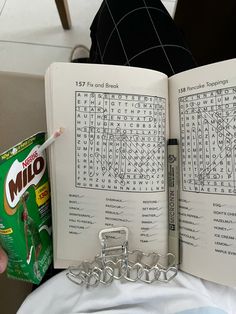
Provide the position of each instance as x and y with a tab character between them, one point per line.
21	175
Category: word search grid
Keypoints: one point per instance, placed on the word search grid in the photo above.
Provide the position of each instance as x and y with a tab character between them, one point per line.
120	141
208	141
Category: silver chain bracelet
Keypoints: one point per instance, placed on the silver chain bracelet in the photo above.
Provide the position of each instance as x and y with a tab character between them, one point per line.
117	262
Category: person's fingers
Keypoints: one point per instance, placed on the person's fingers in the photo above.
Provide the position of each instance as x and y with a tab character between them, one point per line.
3	260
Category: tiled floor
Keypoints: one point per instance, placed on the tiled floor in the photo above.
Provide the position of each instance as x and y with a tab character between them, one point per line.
31	35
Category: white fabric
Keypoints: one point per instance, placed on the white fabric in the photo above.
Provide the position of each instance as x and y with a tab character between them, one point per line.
185	294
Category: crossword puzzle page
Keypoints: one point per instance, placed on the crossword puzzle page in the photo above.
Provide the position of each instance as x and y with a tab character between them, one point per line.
204	102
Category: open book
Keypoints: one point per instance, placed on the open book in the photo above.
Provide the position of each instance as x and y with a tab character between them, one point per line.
109	168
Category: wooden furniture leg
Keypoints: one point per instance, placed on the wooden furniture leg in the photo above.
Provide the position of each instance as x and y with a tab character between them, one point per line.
63	10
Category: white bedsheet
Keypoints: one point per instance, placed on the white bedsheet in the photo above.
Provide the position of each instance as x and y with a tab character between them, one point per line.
184	295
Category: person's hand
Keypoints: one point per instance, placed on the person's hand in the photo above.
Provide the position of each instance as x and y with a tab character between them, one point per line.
3	260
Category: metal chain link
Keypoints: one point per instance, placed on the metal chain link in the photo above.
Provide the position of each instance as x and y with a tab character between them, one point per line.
129	265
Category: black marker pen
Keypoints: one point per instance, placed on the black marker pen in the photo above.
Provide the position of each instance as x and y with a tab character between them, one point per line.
173	197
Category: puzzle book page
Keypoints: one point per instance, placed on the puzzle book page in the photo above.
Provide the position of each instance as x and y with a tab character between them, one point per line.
204	102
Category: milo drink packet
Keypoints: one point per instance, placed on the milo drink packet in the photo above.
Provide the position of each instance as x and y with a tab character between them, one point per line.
25	213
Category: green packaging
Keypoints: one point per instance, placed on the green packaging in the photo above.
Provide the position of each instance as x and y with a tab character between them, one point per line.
25	211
